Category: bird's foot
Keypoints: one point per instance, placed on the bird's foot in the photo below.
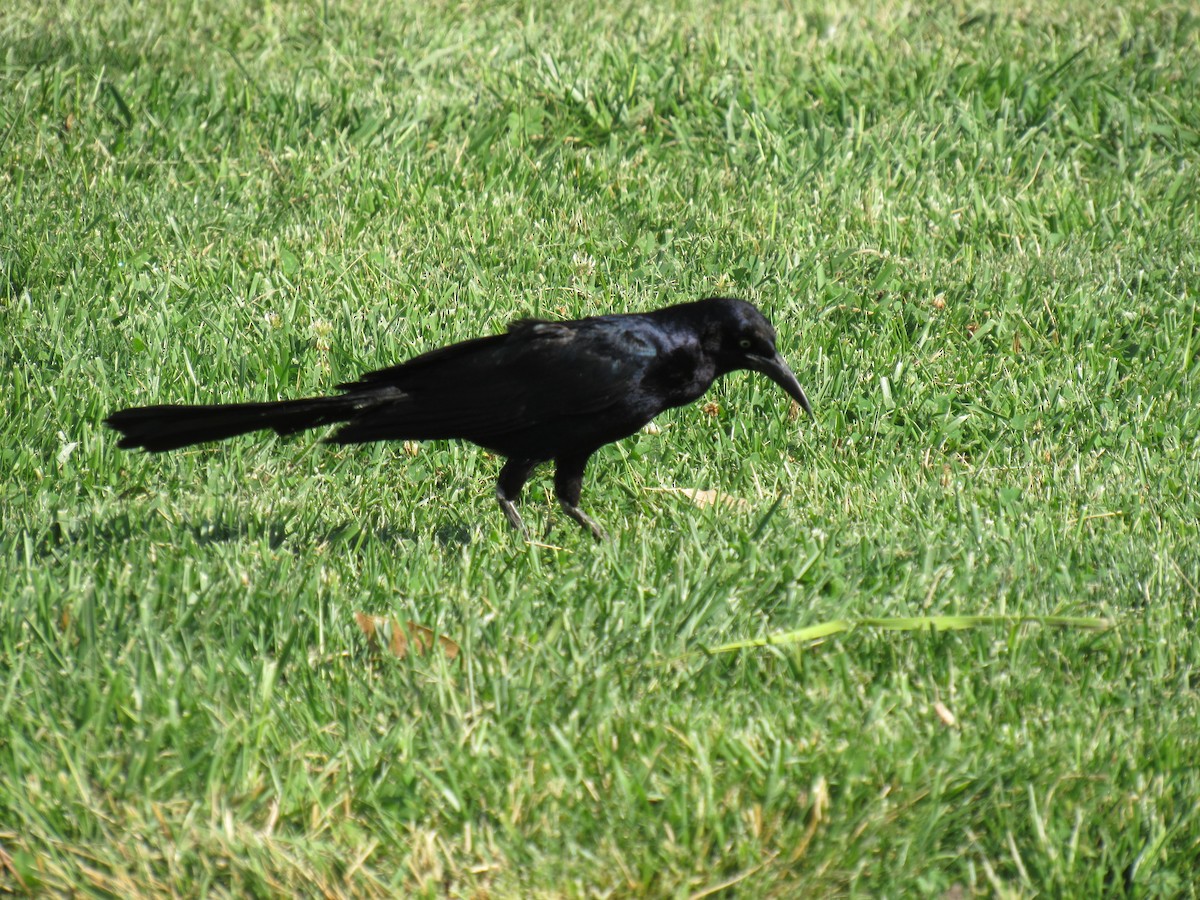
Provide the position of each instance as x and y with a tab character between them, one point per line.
584	519
510	512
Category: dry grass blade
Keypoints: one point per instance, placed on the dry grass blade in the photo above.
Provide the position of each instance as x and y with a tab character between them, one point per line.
705	499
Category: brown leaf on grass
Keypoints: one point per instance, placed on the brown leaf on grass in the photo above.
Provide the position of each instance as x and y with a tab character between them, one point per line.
404	639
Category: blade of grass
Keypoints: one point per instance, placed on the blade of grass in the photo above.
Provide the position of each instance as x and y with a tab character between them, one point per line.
917	623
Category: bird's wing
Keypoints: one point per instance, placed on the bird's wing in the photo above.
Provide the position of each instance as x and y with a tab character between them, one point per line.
536	373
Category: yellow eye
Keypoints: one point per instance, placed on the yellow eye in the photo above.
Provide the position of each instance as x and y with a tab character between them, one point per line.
744	343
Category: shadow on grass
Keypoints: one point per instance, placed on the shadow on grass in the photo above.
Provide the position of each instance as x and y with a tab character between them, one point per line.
354	534
122	529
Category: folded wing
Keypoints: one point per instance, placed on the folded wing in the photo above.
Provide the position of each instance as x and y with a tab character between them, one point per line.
538	375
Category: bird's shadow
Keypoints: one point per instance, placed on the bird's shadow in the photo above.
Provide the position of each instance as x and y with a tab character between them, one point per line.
124	528
455	533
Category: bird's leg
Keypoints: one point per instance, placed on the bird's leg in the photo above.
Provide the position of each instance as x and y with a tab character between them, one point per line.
568	484
512	478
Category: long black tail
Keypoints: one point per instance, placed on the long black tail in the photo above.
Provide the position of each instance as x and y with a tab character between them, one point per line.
158	428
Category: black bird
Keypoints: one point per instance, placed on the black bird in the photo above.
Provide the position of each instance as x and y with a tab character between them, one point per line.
542	391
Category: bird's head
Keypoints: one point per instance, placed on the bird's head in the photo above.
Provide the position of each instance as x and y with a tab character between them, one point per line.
746	340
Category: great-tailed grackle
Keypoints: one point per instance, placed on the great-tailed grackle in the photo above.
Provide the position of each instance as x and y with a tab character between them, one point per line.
542	391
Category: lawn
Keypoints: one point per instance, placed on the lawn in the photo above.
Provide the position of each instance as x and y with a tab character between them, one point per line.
977	231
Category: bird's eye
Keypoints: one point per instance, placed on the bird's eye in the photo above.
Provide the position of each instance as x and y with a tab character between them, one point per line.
744	343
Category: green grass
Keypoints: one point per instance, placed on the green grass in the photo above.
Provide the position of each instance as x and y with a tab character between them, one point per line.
978	233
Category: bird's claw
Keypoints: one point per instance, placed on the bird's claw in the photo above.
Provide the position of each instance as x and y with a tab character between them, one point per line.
585	520
514	518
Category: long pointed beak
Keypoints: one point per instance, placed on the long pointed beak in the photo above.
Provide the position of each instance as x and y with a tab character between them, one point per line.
777	370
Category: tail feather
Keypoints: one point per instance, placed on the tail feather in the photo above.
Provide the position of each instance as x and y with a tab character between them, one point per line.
158	428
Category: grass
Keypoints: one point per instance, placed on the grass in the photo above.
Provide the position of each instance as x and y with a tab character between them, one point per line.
977	231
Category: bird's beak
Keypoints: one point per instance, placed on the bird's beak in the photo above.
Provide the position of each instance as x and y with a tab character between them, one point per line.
777	370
